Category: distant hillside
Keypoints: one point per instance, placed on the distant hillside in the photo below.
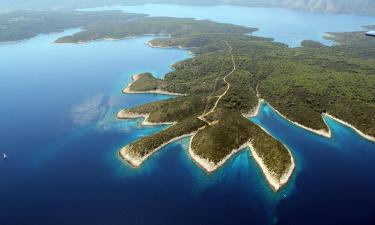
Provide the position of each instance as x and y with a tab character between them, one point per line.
332	6
327	6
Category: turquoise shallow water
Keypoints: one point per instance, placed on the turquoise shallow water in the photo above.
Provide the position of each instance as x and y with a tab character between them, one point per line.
286	26
58	126
334	176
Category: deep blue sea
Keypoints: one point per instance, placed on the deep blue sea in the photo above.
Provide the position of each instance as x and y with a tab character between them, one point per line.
57	125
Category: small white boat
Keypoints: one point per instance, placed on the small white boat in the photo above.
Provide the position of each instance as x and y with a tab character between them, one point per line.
370	33
5	156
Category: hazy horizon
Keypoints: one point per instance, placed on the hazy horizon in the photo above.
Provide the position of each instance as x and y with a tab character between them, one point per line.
329	6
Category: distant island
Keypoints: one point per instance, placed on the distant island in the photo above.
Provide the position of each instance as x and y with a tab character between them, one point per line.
230	75
326	6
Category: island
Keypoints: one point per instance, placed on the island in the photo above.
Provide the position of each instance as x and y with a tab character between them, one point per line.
230	75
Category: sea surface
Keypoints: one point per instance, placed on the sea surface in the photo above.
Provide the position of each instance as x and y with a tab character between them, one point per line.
57	125
284	25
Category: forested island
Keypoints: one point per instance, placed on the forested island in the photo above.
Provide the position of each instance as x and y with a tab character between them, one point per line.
230	74
21	25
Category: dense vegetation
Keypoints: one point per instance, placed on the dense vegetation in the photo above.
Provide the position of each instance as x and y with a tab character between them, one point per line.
313	79
228	74
116	29
166	111
301	83
217	141
147	145
20	25
147	82
201	78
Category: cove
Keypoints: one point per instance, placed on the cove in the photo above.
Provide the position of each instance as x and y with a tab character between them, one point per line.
58	126
333	174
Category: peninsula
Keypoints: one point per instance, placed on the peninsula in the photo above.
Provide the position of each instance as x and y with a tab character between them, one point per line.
230	74
227	79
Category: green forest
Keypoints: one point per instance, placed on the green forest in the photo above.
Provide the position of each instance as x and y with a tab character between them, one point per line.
228	75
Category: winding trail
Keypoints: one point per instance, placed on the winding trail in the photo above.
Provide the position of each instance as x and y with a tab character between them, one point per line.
202	117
